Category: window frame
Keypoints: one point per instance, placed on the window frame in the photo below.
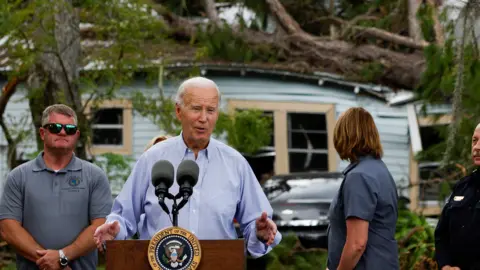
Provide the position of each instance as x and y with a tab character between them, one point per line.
126	148
280	111
415	122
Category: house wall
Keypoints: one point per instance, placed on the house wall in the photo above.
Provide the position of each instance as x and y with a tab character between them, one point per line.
391	121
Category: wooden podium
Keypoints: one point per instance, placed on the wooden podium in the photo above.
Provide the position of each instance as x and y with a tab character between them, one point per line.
216	254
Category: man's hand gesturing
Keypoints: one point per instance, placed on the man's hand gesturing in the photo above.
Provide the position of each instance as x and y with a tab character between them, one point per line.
266	229
105	232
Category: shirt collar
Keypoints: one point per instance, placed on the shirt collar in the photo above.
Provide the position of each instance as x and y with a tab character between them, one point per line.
354	164
185	149
39	164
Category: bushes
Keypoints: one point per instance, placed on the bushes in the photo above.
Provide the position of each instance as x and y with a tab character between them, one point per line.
416	247
416	241
290	254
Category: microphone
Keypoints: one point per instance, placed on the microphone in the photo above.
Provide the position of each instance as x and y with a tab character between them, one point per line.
162	180
187	177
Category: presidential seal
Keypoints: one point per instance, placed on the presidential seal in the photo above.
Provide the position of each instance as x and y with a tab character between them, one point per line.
174	248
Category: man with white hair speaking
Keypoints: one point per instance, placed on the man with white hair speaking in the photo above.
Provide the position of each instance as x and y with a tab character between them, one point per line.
226	189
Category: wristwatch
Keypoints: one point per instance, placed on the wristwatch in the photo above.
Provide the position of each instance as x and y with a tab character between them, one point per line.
63	259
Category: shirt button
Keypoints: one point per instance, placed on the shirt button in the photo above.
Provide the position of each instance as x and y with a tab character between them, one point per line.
194	211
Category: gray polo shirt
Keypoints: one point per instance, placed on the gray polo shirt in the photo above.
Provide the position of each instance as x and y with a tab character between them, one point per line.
368	193
55	207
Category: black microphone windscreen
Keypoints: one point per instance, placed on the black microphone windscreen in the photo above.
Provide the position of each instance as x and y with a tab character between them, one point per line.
187	171
163	172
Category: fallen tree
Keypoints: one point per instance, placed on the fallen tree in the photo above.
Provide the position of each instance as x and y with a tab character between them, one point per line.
362	61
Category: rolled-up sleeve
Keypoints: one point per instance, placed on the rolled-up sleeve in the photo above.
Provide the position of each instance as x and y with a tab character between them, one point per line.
253	202
360	196
128	205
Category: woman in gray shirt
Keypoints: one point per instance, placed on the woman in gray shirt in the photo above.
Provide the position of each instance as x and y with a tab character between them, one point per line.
364	213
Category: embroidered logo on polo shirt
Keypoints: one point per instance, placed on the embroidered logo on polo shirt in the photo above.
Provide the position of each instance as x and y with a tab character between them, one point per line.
74	181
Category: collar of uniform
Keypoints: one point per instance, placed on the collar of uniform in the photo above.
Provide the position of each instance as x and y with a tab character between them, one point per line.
354	164
73	165
185	149
475	178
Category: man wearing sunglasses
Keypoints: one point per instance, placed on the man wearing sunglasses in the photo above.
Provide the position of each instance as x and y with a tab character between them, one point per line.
52	205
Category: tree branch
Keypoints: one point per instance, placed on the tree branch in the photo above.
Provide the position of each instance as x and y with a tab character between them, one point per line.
211	10
458	90
7	92
437	26
291	26
401	70
377	33
414	29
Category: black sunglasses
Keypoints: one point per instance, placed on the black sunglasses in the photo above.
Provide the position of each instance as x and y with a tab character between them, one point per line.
56	128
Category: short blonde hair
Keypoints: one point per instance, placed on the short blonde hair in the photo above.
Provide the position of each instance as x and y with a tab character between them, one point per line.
156	140
356	135
60	109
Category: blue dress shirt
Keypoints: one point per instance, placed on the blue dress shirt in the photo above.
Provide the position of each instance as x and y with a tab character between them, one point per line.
226	189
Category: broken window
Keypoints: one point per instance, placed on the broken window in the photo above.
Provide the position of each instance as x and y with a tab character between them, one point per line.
431	189
307	142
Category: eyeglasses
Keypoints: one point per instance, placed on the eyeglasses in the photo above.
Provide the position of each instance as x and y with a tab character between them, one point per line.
56	128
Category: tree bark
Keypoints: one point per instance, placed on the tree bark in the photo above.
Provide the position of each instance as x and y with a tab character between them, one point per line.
55	75
211	10
458	90
400	69
437	26
312	53
414	29
7	92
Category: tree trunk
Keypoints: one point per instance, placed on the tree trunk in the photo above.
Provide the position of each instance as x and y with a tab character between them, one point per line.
210	9
458	90
55	75
308	53
7	93
437	25
414	29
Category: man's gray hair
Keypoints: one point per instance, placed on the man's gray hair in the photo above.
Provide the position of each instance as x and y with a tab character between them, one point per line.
200	82
60	109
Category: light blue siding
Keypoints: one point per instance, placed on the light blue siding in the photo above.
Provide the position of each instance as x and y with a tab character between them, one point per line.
391	121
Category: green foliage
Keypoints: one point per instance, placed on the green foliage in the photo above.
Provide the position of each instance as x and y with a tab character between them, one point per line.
437	87
391	13
425	17
416	241
160	110
247	130
372	71
290	255
120	40
117	167
220	43
415	237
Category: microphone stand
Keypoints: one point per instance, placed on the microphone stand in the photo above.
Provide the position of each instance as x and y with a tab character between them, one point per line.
175	207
